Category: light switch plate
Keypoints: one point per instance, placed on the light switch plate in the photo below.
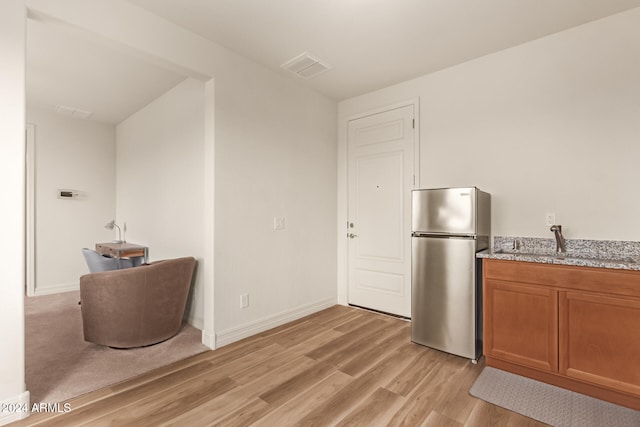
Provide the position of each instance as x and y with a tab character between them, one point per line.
278	223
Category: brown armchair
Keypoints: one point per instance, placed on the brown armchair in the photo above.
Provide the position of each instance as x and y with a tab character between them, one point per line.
136	306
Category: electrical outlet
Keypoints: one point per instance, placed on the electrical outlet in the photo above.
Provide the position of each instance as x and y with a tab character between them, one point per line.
550	218
278	223
244	300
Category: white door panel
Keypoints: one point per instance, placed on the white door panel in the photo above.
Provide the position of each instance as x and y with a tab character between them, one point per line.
380	201
380	132
376	281
380	171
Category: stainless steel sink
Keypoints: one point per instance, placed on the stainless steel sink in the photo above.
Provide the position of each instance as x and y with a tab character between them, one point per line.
523	252
567	256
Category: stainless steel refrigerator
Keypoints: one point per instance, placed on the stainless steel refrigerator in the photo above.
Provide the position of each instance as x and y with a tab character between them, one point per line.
449	225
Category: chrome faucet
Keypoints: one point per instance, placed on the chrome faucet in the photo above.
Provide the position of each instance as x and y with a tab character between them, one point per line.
517	244
560	246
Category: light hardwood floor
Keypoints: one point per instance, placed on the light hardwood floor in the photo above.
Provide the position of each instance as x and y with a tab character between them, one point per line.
342	366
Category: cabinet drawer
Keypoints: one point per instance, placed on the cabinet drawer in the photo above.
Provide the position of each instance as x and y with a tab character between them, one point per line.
600	280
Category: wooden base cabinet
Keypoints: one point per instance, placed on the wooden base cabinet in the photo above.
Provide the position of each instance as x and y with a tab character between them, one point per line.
574	327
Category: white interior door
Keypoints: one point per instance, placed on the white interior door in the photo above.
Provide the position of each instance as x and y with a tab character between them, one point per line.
381	177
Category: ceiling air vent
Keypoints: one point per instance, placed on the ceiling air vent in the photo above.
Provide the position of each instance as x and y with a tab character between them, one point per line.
306	66
74	112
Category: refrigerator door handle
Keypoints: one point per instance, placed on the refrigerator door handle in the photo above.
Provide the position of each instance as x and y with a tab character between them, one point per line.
443	236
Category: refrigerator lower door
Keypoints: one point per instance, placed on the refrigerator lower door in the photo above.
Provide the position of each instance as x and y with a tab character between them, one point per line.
443	299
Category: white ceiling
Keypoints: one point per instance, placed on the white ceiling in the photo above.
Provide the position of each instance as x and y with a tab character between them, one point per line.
65	68
369	43
375	43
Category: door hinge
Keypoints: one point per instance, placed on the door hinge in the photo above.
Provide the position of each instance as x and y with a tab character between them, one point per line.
413	123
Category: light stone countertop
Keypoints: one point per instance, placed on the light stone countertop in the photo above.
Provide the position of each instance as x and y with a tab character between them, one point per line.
622	255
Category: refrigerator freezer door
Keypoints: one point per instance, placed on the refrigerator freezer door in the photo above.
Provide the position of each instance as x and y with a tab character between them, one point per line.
444	211
443	300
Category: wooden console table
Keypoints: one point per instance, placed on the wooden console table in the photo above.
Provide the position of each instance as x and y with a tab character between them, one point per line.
123	250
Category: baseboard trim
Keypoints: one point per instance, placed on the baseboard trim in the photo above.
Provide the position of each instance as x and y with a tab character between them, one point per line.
209	339
69	287
248	329
21	405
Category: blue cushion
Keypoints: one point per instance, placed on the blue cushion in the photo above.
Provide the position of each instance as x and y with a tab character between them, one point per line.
97	262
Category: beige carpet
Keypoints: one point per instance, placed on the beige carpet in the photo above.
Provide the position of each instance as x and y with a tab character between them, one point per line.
60	365
549	404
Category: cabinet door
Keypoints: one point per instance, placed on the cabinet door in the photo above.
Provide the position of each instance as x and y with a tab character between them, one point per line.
521	324
600	340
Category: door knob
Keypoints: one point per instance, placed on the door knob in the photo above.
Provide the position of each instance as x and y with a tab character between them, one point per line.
352	236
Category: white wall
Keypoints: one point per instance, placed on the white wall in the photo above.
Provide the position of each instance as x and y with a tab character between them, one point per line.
12	170
70	154
160	179
275	157
547	126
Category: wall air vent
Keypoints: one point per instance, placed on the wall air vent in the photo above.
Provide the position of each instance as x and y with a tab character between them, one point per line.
306	66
